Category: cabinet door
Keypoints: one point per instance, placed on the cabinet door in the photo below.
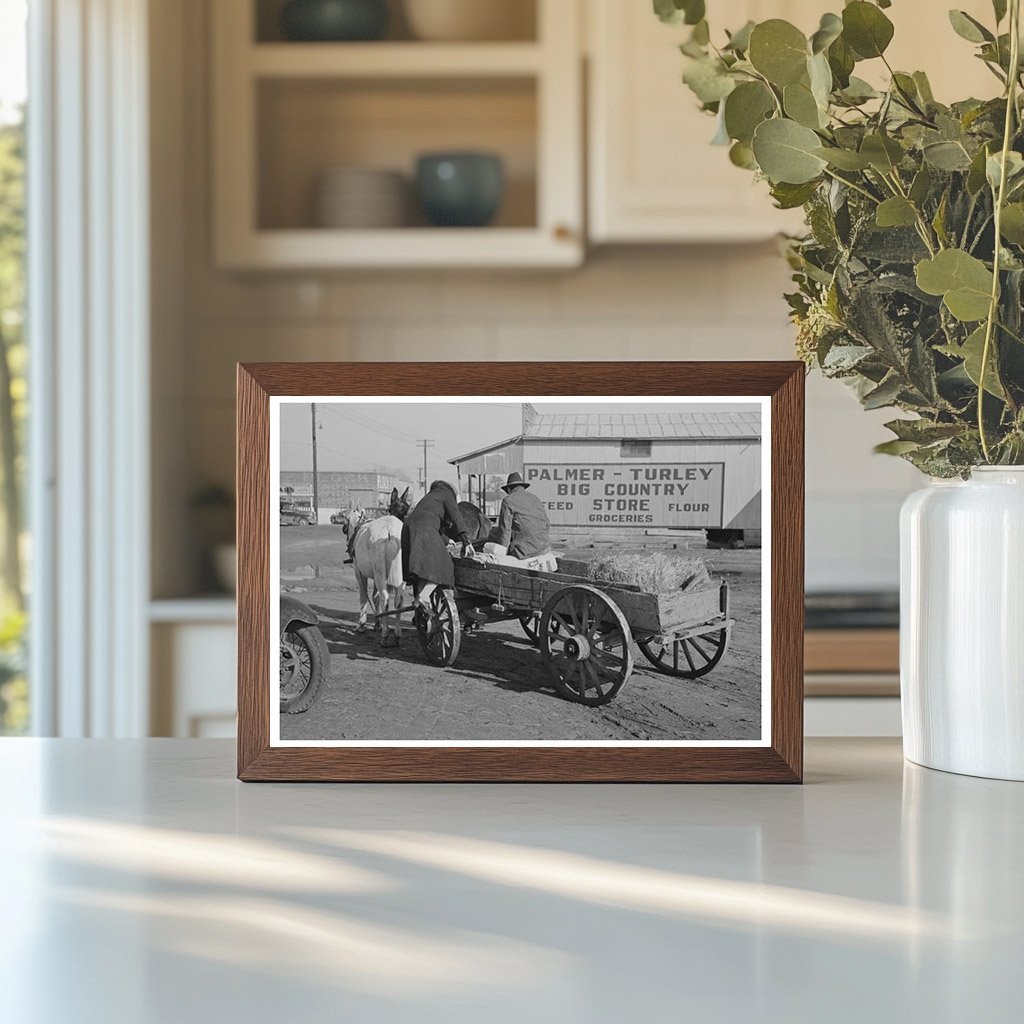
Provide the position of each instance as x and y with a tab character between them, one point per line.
654	175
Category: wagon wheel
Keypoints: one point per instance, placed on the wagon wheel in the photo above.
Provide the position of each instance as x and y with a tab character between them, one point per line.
690	657
441	637
530	624
586	644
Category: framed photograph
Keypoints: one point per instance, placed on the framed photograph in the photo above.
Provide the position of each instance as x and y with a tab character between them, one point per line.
520	572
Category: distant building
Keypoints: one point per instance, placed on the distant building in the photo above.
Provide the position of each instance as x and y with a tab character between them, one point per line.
681	470
344	489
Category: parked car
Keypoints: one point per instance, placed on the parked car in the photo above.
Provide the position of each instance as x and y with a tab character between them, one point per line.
304	658
295	515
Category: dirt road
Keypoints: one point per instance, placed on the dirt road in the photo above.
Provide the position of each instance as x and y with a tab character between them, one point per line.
498	688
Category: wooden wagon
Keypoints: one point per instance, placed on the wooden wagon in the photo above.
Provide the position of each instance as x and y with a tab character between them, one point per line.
585	628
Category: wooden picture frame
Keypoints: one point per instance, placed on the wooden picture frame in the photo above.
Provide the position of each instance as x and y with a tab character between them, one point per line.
780	759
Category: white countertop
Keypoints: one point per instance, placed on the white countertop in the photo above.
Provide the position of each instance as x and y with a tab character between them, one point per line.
143	885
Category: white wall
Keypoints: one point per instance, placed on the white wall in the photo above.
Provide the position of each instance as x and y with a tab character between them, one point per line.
701	303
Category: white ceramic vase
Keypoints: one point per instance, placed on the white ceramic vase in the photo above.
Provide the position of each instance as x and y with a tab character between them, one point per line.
962	624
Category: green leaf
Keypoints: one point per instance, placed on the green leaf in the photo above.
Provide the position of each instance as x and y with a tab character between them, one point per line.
708	80
676	12
969	28
924	87
741	155
884	395
896	212
947	156
844	159
976	174
739	41
858	91
963	281
895	447
778	50
841	60
922	185
830	29
923	431
866	29
820	76
789	197
745	108
801	106
971	352
883	153
1012	226
1014	169
785	152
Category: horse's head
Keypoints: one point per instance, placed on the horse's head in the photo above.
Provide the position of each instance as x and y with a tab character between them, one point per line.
354	518
400	504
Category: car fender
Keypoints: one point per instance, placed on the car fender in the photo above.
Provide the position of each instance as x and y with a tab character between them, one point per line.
294	612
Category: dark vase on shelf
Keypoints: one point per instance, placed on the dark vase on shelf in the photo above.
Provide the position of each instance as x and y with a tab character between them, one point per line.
330	21
461	190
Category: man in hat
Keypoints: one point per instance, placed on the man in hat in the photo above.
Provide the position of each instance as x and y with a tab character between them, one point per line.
523	522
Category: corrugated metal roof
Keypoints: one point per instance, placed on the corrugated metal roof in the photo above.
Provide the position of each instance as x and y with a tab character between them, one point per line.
646	426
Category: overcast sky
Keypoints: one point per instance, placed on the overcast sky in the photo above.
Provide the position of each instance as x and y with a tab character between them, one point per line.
364	436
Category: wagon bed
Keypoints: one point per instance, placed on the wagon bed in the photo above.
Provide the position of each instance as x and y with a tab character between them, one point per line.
585	628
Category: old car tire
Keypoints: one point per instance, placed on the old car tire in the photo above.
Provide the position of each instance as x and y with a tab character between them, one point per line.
310	640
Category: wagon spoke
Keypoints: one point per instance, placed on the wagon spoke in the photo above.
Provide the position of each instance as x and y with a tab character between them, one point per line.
600	659
700	650
686	650
594	677
557	620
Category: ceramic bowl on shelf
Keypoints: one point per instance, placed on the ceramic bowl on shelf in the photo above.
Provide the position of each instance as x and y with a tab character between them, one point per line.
460	189
471	20
361	198
331	21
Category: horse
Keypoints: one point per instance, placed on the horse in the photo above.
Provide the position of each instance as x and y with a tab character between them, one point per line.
478	526
376	549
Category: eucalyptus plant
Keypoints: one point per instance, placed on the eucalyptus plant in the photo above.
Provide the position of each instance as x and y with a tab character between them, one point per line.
910	278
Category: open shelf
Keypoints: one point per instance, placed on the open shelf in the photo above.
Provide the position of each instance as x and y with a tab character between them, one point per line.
308	127
287	113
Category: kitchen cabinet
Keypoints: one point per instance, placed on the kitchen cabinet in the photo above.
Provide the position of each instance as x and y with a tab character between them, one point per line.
287	113
653	175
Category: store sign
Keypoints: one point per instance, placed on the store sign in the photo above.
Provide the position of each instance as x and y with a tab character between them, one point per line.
682	495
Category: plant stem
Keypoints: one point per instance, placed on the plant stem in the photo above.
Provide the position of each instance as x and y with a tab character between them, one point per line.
993	309
856	188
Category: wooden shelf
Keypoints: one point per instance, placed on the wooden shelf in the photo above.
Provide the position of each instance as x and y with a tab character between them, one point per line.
852	650
401	247
393	60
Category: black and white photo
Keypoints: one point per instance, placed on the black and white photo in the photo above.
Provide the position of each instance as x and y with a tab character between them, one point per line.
520	571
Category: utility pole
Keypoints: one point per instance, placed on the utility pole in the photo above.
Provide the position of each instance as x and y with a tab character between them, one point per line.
425	444
316	492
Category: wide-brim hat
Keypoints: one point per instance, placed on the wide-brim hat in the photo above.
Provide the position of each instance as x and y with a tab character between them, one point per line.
514	480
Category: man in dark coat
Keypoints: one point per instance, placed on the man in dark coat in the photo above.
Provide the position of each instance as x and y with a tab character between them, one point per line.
523	525
425	559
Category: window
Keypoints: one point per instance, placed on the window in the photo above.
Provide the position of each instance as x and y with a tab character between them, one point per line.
14	706
635	450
